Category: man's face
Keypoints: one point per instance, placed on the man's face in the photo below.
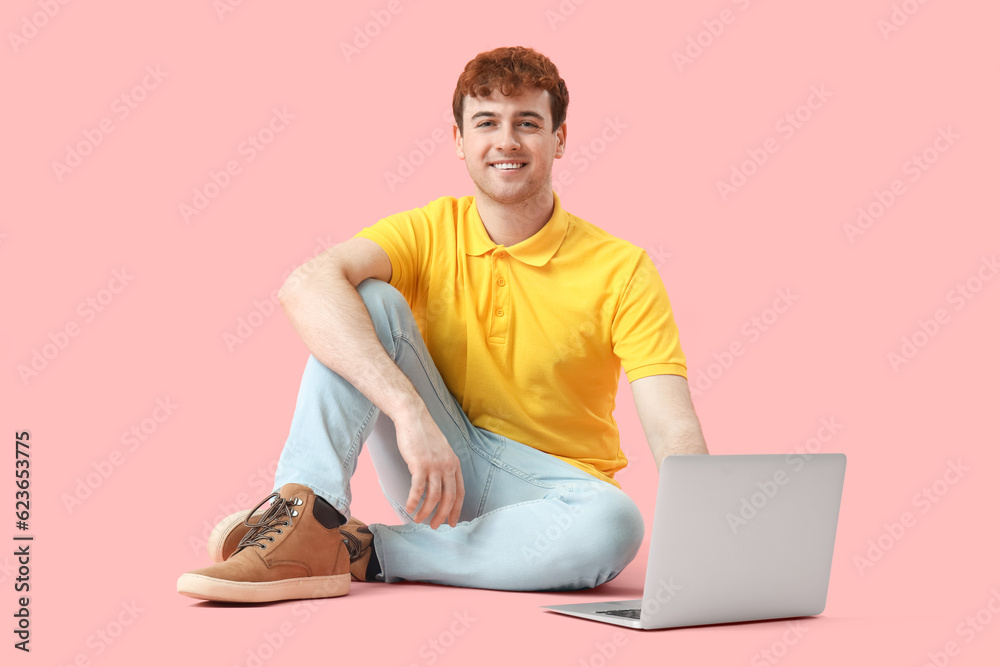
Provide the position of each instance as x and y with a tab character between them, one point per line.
501	131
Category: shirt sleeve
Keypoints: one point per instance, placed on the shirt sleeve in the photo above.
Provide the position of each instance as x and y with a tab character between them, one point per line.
644	334
403	236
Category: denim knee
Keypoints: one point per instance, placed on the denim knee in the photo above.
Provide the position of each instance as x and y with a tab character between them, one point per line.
589	543
623	532
388	309
378	292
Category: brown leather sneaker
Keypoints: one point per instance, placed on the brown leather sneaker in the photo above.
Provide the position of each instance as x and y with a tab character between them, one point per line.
358	539
228	533
286	555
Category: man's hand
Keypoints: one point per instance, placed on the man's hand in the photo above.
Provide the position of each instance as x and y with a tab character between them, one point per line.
435	469
323	304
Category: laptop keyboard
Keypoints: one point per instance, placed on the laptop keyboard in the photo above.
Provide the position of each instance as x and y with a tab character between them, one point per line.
626	613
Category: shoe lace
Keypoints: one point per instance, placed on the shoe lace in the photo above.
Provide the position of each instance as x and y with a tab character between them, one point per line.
353	544
269	522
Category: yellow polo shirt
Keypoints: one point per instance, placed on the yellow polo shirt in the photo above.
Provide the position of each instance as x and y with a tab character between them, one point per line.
532	338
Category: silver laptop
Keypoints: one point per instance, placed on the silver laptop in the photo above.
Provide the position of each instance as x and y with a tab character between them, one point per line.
736	537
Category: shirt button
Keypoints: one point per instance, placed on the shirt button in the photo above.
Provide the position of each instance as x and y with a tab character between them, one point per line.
500	253
501	282
499	312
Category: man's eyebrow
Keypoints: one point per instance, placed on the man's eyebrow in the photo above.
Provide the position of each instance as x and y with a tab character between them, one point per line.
520	114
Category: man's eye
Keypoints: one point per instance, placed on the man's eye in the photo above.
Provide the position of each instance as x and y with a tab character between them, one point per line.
485	122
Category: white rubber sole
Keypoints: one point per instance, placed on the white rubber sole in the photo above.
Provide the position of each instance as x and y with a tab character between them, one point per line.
220	590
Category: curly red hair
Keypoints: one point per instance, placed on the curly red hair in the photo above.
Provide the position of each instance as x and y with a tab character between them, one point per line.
511	69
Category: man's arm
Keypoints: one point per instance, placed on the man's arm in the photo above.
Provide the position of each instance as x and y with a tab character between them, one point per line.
667	416
321	300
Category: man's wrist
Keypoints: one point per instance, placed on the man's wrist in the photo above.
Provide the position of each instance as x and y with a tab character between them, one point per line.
407	407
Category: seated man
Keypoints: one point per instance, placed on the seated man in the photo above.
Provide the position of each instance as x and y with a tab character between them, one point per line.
476	345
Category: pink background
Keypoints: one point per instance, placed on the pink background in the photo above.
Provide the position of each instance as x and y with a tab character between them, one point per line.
163	335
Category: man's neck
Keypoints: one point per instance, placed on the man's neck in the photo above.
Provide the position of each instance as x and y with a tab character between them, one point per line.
508	224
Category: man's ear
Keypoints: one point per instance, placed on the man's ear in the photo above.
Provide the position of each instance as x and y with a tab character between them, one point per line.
561	141
457	135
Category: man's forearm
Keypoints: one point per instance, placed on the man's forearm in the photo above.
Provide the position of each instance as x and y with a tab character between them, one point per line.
683	438
329	315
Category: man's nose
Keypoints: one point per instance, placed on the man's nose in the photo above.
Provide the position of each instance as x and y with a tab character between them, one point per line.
507	139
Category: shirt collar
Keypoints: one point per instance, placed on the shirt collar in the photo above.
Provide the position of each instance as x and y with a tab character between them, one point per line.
535	250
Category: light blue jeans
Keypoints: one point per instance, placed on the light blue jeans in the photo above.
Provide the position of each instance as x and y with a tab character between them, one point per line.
530	521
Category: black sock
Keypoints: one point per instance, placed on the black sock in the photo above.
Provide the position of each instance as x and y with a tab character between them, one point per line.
327	514
374	569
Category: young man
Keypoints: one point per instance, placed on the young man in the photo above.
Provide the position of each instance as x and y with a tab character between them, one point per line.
476	345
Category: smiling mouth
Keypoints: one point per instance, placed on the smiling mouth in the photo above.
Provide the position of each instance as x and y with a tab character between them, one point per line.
508	166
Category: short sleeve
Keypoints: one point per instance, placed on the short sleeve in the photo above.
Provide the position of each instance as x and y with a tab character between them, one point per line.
403	236
644	334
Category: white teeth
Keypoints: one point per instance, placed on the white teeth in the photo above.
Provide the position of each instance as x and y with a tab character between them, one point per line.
508	165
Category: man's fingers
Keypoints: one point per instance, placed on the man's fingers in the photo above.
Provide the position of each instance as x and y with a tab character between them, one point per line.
417	486
456	509
445	507
433	496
